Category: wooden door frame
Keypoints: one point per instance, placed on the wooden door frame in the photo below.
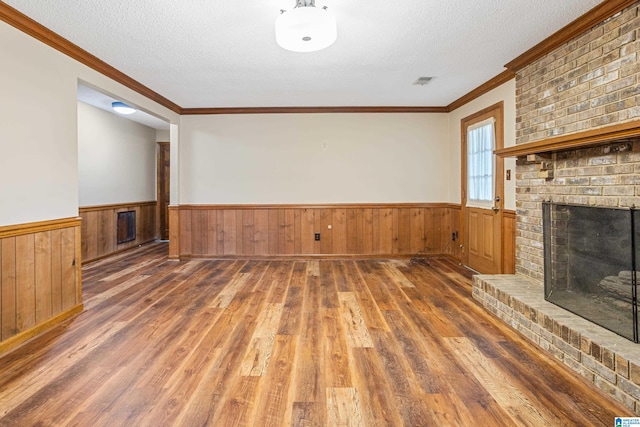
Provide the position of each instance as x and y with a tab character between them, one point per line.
497	112
159	147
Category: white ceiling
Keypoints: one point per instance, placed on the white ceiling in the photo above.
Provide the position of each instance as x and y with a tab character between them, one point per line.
217	53
100	99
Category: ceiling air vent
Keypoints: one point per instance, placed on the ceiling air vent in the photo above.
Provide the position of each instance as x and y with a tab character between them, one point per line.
422	81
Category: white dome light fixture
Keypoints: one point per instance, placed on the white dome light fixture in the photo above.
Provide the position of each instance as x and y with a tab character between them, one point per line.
122	108
306	28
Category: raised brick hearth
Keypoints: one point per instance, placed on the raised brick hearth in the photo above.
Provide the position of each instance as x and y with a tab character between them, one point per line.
609	361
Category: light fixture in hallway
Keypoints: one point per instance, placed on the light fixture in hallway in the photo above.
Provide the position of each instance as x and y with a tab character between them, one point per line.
122	108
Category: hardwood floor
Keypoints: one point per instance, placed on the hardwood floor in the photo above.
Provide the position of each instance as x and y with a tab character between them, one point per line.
302	343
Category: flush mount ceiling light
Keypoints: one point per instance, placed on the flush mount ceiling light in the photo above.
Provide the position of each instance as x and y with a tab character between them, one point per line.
122	108
306	28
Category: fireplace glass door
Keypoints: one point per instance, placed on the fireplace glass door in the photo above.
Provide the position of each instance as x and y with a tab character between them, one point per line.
590	260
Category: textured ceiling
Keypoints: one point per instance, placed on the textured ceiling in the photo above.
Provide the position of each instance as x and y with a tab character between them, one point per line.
216	53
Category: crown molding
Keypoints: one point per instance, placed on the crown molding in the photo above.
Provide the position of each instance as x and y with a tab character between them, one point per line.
488	86
595	16
38	31
498	80
311	110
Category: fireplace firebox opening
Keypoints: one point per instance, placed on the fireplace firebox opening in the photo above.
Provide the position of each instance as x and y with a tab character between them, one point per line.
590	259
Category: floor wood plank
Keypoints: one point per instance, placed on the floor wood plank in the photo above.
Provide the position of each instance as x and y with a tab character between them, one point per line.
337	372
281	342
510	399
256	360
343	407
357	332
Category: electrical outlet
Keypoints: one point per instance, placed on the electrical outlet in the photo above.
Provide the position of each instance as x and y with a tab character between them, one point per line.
453	236
317	236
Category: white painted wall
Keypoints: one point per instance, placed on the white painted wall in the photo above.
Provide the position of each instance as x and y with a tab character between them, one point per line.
38	127
224	159
163	135
507	94
314	158
174	162
38	159
116	158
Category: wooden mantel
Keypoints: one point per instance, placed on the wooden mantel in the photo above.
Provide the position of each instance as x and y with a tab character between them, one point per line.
590	138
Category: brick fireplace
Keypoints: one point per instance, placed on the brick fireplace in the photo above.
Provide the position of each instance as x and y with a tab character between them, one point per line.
589	83
577	142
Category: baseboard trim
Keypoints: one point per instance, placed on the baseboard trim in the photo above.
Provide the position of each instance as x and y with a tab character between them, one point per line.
119	251
24	336
306	257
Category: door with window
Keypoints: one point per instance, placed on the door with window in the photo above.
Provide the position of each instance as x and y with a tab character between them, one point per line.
482	190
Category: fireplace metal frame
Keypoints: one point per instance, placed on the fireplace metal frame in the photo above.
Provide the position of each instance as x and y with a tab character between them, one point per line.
634	254
634	278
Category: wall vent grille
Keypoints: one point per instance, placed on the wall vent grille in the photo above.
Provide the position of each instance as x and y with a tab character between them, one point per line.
126	226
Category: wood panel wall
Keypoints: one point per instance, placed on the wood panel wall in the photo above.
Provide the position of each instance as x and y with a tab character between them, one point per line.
174	232
99	228
40	281
288	230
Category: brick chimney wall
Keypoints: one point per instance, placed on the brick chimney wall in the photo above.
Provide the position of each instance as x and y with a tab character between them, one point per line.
590	82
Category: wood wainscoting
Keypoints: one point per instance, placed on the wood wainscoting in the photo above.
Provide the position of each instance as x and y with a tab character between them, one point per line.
40	278
99	228
359	230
